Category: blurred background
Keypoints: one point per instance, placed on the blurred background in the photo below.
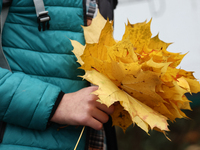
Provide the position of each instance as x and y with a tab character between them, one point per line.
176	21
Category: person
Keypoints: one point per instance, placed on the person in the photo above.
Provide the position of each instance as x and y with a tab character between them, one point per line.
43	102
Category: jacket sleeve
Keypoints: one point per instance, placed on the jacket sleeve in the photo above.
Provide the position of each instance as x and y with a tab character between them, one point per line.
26	101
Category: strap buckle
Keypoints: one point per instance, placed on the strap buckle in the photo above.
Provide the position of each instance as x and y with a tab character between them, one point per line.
43	18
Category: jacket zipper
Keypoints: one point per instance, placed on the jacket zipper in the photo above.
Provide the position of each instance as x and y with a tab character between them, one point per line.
2	130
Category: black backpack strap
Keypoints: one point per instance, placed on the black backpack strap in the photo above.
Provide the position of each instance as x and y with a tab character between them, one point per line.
7	3
111	138
106	8
3	61
4	13
2	130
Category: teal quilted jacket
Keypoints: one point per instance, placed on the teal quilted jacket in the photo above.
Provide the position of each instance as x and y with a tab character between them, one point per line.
42	66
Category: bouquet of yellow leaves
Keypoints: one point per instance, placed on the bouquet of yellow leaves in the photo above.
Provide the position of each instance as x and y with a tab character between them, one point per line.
137	72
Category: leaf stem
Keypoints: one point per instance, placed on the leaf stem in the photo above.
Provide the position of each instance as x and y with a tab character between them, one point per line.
79	138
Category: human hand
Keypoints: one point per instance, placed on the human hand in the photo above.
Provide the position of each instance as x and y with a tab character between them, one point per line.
81	108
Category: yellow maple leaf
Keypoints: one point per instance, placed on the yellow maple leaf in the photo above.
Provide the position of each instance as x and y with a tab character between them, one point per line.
93	31
122	51
157	44
160	68
185	74
182	82
194	85
137	73
139	35
78	51
109	93
121	117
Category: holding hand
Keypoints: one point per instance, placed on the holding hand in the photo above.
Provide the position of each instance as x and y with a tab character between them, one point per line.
81	108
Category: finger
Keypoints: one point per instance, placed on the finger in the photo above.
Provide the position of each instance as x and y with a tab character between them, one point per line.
100	115
93	88
103	107
95	124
